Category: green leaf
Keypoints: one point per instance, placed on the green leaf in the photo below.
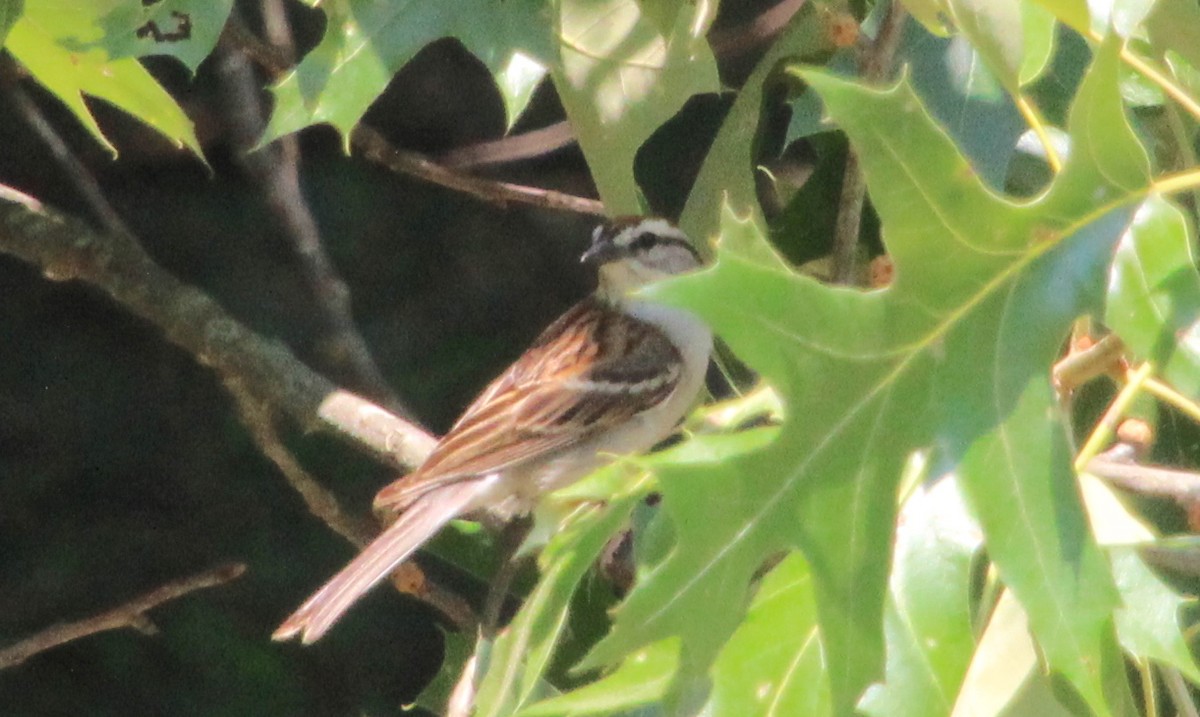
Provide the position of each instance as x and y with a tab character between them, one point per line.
1039	28
10	12
1005	678
1148	624
366	42
985	291
964	97
642	679
1154	293
934	15
458	648
185	29
521	655
1148	618
57	41
928	619
1074	13
997	31
1175	25
727	176
1014	40
773	664
619	79
1022	488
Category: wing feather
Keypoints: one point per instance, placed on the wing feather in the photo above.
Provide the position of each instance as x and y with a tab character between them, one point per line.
592	369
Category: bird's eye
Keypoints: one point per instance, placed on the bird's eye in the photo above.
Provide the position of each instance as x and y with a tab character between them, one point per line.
643	242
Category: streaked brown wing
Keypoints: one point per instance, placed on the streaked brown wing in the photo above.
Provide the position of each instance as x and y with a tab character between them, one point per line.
573	382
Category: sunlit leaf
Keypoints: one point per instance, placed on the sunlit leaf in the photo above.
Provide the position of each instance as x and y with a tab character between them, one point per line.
641	680
933	14
962	94
985	291
10	12
928	619
366	42
185	29
58	42
773	664
1175	25
727	176
520	656
1005	679
1154	293
620	78
1039	28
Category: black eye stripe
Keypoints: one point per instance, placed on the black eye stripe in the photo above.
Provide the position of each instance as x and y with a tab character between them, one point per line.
643	241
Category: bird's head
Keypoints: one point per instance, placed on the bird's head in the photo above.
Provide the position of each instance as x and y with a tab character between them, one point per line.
634	251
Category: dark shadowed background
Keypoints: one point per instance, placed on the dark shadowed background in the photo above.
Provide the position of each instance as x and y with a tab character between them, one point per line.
122	462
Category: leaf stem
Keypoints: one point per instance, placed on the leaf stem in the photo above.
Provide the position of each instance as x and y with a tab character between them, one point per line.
1149	695
1035	120
1107	425
1186	156
1172	397
1178	182
1164	83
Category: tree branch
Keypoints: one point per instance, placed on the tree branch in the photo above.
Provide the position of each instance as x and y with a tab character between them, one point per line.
375	147
65	248
275	170
131	614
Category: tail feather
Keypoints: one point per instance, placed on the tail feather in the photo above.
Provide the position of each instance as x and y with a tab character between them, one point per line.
419	523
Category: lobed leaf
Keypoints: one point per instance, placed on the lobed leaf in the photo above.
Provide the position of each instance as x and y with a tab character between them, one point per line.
367	42
620	77
957	346
1153	300
58	41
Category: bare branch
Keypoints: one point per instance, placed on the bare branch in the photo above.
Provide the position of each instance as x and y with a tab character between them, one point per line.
410	577
752	35
65	248
79	175
512	148
1181	486
256	416
375	147
131	614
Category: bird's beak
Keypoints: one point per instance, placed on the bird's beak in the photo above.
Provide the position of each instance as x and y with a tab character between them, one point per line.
601	252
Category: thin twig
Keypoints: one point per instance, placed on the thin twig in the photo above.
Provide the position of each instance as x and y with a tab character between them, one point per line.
513	148
131	614
80	176
375	147
256	417
1181	486
1181	696
1106	427
410	578
874	66
1081	366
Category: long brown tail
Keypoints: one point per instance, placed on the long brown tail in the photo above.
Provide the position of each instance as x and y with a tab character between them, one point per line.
419	523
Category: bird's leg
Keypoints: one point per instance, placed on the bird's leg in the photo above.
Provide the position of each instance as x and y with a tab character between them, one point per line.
511	537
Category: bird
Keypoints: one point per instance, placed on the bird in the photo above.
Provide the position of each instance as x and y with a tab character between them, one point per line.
614	375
